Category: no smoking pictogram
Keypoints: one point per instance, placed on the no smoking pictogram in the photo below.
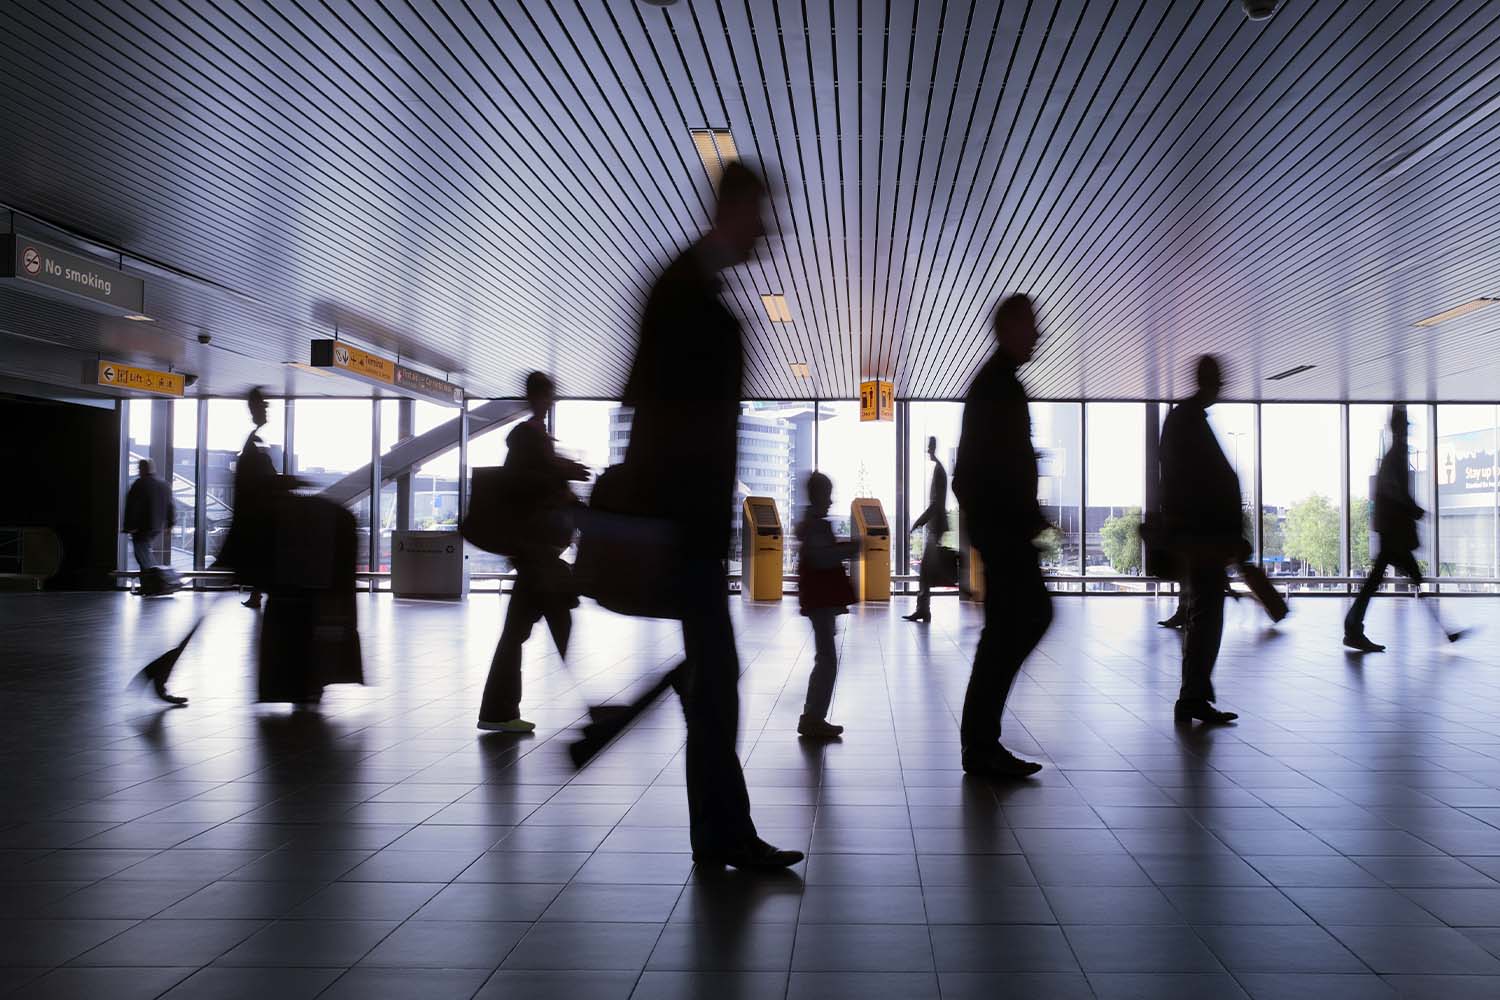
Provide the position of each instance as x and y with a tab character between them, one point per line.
31	260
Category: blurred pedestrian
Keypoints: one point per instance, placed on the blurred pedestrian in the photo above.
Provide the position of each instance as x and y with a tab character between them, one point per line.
824	593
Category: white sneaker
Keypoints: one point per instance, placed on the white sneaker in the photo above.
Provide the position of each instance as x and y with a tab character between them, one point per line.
511	726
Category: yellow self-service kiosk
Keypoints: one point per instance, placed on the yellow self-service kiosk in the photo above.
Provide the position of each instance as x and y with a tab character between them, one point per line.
761	545
872	567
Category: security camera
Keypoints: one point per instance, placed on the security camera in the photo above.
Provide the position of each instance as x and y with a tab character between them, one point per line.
1260	10
204	338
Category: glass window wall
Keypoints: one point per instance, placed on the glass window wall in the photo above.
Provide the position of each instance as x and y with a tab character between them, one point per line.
942	422
860	458
1234	425
1369	438
434	483
229	428
1115	452
330	441
184	479
1302	519
1468	494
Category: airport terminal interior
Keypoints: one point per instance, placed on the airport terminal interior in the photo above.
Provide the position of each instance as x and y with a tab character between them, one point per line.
457	446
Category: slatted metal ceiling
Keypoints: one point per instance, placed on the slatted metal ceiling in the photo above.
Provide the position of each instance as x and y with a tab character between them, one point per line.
487	187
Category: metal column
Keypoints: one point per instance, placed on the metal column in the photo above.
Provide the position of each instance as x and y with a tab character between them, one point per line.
463	460
1435	521
1083	497
1260	506
403	482
200	489
1346	537
288	418
903	476
1153	466
373	541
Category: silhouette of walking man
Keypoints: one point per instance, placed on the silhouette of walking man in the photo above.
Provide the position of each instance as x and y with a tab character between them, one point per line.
685	385
148	511
935	519
1395	520
1200	505
995	480
544	585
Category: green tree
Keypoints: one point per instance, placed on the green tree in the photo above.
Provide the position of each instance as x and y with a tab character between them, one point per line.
1121	540
1359	535
1272	539
1312	534
1049	546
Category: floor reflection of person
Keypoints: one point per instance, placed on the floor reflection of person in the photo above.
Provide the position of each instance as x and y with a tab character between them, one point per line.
685	385
995	480
543	589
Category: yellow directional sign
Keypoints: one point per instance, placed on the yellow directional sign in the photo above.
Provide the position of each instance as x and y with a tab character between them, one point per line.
354	360
114	375
877	400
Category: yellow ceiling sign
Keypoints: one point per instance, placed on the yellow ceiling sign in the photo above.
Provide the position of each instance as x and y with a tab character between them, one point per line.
130	378
360	362
877	400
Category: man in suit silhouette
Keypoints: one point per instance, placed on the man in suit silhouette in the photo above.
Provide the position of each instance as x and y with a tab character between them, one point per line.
935	519
685	385
1200	506
1395	520
995	480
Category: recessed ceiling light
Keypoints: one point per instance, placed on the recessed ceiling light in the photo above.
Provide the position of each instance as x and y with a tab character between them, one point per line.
800	369
776	308
715	148
1290	372
139	317
1473	305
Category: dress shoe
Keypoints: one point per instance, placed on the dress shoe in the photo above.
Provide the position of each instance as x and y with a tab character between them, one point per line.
159	685
1174	622
1187	711
818	729
1362	643
918	616
999	763
759	855
516	725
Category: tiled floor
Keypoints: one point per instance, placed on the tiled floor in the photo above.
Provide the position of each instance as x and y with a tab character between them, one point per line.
1342	841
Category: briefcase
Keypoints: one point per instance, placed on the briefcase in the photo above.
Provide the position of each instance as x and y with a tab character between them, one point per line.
940	566
628	560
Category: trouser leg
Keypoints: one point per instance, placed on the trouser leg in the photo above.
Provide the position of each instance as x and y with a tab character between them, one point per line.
1017	611
1203	632
141	545
825	663
1354	621
718	803
502	689
924	572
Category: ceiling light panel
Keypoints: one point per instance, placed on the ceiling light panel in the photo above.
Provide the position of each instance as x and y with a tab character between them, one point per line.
777	310
1473	305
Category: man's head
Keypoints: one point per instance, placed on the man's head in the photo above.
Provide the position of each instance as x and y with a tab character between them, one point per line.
739	221
932	447
819	492
1015	328
1210	379
143	467
540	393
1399	425
258	407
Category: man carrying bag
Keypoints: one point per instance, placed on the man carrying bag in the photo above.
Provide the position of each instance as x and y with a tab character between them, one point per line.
685	386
